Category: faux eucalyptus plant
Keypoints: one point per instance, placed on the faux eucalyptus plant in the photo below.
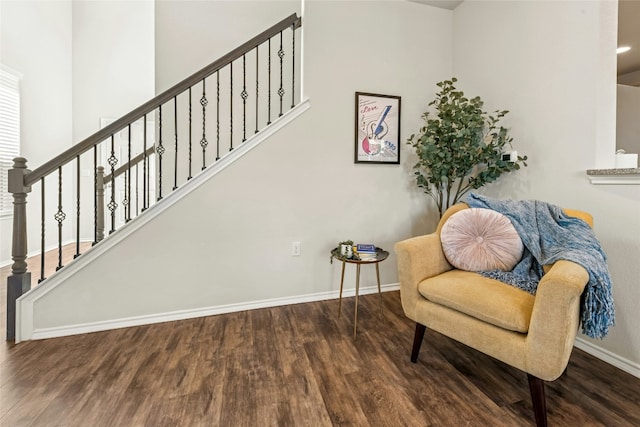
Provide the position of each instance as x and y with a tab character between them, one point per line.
461	148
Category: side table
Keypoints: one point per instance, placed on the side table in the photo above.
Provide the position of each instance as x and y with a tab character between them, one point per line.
380	256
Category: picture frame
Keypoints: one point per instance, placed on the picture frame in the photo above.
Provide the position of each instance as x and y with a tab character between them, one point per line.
377	128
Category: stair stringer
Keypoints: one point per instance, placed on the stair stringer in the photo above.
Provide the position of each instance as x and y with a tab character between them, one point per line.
25	325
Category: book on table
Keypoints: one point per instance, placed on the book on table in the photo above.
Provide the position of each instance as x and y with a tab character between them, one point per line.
365	248
366	252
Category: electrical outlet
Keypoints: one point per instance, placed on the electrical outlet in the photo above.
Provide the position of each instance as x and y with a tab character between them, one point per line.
510	156
295	248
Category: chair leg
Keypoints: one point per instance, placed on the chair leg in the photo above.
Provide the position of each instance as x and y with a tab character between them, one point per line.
417	341
536	386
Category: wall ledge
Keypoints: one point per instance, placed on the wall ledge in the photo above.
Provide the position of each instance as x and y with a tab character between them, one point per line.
630	176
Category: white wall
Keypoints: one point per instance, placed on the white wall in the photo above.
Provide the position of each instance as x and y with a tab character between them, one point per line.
628	125
186	48
230	240
192	34
36	40
81	61
113	73
113	60
543	63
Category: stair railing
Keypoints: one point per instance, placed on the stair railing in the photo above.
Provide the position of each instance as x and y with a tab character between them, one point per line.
158	146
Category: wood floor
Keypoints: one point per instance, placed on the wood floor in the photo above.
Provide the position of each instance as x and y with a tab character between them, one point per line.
292	366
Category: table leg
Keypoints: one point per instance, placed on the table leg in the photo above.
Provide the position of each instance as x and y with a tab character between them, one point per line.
341	283
379	290
355	318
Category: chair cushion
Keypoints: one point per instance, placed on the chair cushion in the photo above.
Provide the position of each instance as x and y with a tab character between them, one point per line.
486	299
478	239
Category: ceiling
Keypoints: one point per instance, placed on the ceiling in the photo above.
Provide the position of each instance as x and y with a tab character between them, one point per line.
443	4
628	32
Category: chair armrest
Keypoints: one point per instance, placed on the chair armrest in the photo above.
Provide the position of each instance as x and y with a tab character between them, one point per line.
555	319
418	258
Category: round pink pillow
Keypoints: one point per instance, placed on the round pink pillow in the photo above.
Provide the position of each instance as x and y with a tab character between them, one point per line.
479	239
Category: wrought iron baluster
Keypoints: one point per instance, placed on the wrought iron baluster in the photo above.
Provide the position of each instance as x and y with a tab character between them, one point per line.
269	85
160	151
244	96
95	195
190	135
293	65
77	254
231	107
127	180
59	216
175	134
203	141
112	205
99	203
125	201
281	89
257	87
42	216
217	115
144	163
137	189
148	183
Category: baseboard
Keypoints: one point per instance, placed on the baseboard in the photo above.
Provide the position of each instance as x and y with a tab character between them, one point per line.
609	357
200	312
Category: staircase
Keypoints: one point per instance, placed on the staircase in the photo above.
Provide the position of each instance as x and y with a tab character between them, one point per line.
157	152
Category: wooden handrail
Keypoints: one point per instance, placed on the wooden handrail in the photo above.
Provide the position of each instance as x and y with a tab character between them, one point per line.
122	169
291	21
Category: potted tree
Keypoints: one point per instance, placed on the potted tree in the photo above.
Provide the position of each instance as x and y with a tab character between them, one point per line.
460	149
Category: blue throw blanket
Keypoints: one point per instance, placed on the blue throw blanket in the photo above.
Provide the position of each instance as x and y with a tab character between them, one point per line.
548	236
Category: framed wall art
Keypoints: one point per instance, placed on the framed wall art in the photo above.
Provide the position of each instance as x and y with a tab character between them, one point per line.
377	128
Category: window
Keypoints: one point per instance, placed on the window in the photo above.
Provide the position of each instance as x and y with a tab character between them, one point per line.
9	132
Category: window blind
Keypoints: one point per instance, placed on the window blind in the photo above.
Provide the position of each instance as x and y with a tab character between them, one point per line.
9	132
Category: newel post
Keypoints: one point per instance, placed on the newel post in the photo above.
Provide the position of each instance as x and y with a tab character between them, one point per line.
20	280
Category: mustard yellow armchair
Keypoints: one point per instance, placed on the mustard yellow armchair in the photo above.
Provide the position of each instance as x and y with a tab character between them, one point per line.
533	333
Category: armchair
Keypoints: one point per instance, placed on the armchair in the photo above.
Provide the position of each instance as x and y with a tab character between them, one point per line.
533	333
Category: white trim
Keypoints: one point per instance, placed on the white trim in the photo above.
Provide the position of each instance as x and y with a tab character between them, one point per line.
200	312
615	179
24	304
598	352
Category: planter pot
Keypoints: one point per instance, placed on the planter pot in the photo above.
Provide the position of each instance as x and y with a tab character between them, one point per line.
346	251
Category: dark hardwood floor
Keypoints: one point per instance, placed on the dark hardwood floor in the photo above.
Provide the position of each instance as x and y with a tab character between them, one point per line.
292	366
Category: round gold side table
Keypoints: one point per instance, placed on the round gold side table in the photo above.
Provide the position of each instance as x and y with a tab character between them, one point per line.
380	256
